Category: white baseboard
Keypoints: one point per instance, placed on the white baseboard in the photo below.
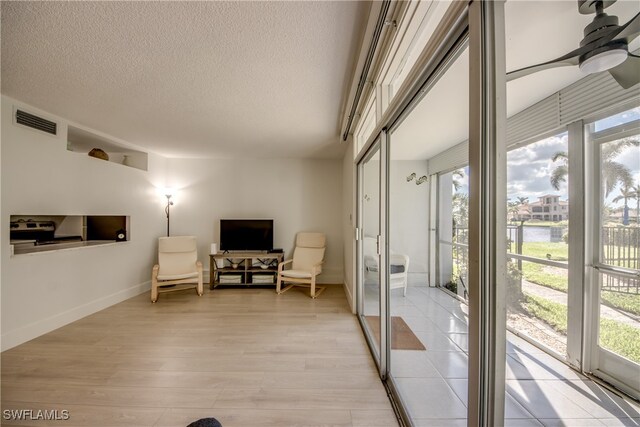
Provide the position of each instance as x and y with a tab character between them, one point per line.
33	330
348	292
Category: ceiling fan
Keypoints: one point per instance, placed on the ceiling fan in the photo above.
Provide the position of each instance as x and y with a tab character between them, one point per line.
604	47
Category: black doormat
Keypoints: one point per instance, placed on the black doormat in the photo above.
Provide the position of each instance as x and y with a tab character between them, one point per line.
206	422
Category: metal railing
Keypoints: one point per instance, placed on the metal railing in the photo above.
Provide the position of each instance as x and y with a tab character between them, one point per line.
620	248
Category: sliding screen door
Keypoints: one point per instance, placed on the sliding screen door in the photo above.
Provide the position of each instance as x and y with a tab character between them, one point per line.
615	282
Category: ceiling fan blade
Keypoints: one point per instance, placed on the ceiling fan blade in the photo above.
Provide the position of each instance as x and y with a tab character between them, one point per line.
630	30
571	58
627	74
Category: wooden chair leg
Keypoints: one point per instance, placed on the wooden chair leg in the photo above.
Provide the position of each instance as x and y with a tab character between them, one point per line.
278	284
313	286
154	284
154	291
200	288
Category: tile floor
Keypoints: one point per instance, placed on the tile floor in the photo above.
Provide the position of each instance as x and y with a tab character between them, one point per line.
541	391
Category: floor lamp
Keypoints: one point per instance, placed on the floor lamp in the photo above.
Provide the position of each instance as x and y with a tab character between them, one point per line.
167	211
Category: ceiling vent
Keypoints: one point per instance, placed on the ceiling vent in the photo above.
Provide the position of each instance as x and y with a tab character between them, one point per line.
36	122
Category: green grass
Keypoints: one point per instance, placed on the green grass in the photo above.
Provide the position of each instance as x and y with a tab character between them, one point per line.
615	336
536	273
627	302
620	338
552	313
540	274
539	223
559	251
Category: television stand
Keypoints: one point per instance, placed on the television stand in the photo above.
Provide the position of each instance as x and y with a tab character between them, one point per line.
243	268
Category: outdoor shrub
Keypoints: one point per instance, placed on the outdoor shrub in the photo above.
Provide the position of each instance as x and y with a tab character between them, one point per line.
514	285
452	286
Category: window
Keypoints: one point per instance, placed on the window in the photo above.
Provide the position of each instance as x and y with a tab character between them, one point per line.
454	230
537	275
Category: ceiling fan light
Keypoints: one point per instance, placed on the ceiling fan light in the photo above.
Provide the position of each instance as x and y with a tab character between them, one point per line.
604	61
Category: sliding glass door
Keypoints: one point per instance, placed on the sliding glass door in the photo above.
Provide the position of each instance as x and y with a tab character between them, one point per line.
371	308
428	195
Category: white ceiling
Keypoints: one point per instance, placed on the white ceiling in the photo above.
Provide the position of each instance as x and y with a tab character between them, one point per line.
536	31
215	79
440	120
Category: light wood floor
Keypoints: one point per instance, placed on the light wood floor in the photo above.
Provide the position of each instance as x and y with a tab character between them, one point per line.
247	357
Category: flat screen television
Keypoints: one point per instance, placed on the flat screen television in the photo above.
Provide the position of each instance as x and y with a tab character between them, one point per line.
246	234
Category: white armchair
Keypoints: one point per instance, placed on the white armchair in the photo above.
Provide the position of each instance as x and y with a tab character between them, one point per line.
177	265
306	264
398	263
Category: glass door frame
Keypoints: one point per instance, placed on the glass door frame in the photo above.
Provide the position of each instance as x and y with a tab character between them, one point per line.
381	359
599	361
483	23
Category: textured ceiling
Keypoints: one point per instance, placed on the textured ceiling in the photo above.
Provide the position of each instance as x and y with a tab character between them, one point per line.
187	79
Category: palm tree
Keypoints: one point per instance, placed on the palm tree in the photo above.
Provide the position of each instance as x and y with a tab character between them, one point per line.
458	173
625	194
460	209
612	171
513	208
559	174
636	191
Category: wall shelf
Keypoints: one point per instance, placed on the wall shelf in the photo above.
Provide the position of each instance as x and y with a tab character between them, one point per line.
82	141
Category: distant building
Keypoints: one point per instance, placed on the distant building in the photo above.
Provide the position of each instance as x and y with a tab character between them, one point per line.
548	208
617	215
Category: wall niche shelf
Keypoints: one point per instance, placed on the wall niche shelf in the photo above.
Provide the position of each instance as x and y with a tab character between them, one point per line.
44	233
82	141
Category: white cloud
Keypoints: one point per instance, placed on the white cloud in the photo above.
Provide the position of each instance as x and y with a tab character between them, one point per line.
529	168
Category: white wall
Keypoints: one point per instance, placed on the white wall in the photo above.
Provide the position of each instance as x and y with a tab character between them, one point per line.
299	195
409	217
371	197
43	291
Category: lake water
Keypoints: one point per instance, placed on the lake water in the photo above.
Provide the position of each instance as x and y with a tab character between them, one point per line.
535	234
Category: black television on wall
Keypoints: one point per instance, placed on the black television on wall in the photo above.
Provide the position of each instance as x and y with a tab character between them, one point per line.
246	234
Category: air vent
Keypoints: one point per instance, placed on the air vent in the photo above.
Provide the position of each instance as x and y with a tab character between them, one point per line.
36	122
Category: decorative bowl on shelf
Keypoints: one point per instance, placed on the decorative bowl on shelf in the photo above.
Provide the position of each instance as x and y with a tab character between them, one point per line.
264	266
98	153
235	265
